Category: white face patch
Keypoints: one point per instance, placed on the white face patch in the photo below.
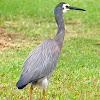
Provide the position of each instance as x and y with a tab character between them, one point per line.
65	9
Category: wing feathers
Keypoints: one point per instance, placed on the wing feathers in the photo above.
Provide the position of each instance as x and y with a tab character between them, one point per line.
40	63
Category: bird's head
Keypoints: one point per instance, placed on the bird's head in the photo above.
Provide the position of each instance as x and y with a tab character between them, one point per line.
63	7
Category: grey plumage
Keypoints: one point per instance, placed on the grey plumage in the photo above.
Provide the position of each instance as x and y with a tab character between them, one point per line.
43	59
40	64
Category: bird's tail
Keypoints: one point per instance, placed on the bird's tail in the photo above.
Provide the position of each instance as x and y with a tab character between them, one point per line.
23	81
26	78
20	85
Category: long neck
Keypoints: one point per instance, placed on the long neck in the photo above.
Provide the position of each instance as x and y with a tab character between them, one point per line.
61	30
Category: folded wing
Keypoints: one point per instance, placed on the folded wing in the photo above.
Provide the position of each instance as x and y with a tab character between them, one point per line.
39	63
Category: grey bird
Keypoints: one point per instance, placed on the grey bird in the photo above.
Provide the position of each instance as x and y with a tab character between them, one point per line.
40	63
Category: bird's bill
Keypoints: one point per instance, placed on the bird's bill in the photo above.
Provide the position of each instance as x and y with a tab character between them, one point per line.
75	8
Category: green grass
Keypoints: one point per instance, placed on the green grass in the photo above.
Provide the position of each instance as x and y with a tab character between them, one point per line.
27	23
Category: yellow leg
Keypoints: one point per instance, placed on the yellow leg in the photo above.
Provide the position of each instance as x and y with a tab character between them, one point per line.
31	88
43	94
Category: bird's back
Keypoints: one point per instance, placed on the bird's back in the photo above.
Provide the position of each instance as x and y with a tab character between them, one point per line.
39	63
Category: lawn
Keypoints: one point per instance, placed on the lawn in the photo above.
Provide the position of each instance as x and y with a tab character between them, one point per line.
26	23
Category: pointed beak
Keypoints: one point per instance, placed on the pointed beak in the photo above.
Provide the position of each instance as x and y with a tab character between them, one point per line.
75	8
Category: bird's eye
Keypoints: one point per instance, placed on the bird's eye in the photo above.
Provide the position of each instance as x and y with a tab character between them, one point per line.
66	6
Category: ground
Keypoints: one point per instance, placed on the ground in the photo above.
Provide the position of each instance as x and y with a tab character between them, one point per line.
23	27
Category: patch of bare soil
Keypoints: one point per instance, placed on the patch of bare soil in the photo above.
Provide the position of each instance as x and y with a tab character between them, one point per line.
8	39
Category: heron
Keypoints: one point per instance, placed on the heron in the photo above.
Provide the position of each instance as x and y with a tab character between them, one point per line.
40	63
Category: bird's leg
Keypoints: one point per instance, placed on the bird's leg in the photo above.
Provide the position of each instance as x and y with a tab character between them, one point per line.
43	94
31	88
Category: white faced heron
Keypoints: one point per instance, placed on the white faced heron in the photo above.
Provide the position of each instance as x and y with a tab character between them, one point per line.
40	63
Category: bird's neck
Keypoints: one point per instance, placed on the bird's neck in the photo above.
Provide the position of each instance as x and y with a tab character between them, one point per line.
61	30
